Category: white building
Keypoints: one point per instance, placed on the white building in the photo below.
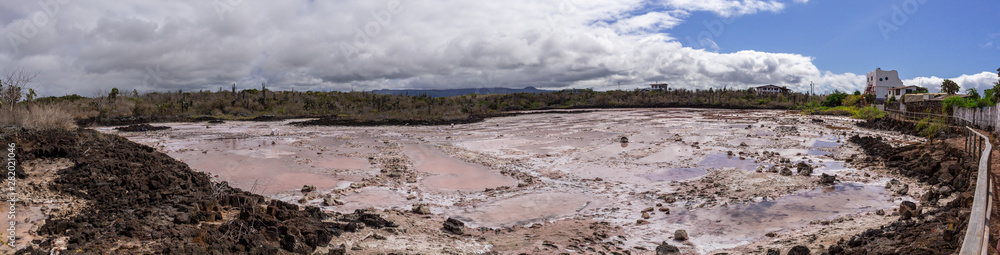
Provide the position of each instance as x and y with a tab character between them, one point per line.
771	90
898	92
879	83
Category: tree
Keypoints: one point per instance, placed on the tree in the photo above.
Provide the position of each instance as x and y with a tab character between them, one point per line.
972	93
920	90
835	99
113	95
12	87
950	87
31	95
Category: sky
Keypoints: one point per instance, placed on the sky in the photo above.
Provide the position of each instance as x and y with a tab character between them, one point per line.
87	47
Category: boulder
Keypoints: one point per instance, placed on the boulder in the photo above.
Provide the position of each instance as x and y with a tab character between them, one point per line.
799	250
908	210
667	249
785	171
454	226
308	188
681	235
804	169
827	179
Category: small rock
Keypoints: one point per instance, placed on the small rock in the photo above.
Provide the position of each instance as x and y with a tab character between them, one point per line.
454	226
891	183
645	215
785	171
332	202
665	210
827	179
945	189
880	212
804	169
648	209
308	188
907	210
421	209
771	234
667	249
772	251
901	189
799	250
641	222
680	235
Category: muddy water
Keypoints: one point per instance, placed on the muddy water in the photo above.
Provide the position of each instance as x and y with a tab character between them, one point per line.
450	174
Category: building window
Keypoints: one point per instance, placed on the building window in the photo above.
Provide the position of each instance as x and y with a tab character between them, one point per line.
879	79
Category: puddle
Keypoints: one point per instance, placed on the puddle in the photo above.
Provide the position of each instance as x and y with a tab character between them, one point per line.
371	197
727	226
722	160
750	142
676	174
452	174
272	175
341	163
668	154
528	208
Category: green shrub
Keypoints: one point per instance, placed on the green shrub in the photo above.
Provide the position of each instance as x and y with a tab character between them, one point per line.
868	113
835	99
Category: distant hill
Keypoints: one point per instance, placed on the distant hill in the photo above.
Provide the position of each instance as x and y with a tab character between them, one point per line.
456	92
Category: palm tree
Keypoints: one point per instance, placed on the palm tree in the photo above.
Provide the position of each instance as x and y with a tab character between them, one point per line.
972	92
949	86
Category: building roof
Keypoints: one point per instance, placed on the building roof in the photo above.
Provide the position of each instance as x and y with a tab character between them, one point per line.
767	86
904	87
921	97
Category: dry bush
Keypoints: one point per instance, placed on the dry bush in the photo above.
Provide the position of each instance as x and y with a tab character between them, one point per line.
45	117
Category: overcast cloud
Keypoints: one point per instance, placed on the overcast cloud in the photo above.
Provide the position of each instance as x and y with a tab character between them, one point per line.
83	46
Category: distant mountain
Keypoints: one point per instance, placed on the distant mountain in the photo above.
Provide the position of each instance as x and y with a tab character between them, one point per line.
456	92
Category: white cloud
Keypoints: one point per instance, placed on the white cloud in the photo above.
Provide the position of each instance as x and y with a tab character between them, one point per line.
979	81
89	45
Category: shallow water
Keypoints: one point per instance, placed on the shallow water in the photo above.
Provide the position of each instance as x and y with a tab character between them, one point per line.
528	208
450	174
749	222
723	160
676	174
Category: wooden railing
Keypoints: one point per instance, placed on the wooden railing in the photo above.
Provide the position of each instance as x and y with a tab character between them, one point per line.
977	234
